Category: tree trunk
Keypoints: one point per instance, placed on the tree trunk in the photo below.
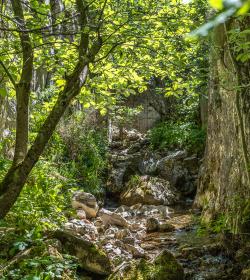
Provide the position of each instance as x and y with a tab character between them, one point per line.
16	177
224	178
23	88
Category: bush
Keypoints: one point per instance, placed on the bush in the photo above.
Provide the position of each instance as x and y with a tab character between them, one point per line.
87	158
169	135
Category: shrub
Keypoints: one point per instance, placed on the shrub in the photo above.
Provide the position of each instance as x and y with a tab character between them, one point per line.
170	135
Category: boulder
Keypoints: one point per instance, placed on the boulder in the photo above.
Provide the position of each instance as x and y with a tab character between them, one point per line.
180	171
83	228
150	190
135	250
81	214
86	202
170	166
121	234
166	227
123	165
148	165
91	258
164	267
152	225
112	218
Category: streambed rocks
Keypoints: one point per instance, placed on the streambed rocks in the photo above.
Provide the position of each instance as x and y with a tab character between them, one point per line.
131	156
151	191
146	183
163	267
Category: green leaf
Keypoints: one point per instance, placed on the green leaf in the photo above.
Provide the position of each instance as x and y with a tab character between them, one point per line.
217	4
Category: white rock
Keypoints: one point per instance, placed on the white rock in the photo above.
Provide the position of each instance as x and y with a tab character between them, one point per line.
83	228
85	201
112	218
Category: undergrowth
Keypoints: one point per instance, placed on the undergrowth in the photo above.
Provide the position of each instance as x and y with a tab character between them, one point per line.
170	135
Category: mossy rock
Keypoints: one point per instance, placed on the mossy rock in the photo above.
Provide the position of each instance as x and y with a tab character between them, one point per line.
164	267
90	257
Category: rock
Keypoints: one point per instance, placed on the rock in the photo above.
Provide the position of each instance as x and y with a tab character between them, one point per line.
112	218
135	227
180	171
123	165
152	210
129	240
192	164
86	202
148	166
121	234
116	178
110	234
150	190
166	227
164	267
81	214
90	257
152	225
133	135
117	254
135	250
124	211
82	227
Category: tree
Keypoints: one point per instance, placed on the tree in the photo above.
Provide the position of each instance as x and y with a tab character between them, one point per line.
224	188
102	48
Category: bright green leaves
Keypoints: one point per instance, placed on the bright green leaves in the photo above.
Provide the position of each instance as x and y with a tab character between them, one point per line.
239	39
217	4
227	8
243	5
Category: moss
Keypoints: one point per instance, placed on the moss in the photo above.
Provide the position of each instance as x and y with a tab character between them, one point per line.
164	267
245	227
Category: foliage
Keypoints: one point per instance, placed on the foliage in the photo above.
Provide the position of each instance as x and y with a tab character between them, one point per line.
44	200
88	162
134	180
43	268
42	260
239	40
227	9
139	40
169	135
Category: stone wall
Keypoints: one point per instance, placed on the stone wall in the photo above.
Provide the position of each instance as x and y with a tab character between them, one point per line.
155	107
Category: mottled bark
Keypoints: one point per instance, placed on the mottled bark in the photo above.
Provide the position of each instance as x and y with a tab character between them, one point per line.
224	187
23	88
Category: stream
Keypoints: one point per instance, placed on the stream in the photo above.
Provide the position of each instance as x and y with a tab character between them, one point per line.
202	255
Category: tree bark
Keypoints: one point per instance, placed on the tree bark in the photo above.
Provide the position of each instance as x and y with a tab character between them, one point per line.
23	88
224	187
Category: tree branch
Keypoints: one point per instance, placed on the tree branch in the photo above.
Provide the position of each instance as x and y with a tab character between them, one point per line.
8	74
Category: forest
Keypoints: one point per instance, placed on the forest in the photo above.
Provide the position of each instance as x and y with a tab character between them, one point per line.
125	139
